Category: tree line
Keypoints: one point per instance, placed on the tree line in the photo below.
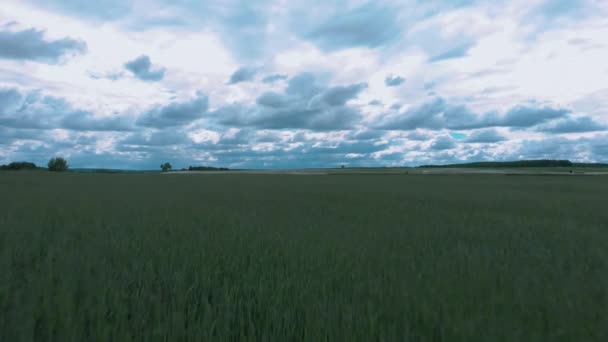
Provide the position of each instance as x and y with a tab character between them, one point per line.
61	164
519	163
54	164
166	167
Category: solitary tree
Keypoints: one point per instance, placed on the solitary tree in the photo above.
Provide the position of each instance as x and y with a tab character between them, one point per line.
165	167
58	164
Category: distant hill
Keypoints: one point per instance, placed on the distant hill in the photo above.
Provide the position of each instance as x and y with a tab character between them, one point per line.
519	163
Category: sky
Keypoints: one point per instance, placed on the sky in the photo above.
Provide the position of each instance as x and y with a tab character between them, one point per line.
279	84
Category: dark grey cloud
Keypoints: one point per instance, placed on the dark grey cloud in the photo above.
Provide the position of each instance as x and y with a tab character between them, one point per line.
31	110
242	138
10	99
396	106
375	103
303	85
31	45
272	99
273	78
393	81
436	114
306	104
141	67
485	136
298	137
366	135
176	113
160	138
86	121
34	110
295	116
370	25
456	52
439	114
338	96
444	142
418	136
554	148
526	116
393	157
243	74
9	135
573	125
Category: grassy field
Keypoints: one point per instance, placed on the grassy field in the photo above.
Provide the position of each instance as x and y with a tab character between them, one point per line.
203	257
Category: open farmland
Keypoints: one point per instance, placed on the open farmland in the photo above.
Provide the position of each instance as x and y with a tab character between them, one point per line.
354	257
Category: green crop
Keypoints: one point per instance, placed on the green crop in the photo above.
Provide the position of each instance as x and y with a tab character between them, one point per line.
204	257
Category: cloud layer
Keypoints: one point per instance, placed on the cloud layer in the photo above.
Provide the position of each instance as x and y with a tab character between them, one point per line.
305	104
176	113
275	84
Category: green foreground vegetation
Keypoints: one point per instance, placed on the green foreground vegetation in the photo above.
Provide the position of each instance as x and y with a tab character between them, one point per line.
203	257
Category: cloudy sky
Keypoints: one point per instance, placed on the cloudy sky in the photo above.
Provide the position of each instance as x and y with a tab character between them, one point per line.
302	83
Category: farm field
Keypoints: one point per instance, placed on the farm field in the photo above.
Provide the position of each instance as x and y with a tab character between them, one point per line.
334	257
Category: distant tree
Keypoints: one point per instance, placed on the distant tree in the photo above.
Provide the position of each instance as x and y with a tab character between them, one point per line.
165	167
58	164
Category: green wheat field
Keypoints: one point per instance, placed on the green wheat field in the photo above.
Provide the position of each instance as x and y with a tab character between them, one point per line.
280	257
